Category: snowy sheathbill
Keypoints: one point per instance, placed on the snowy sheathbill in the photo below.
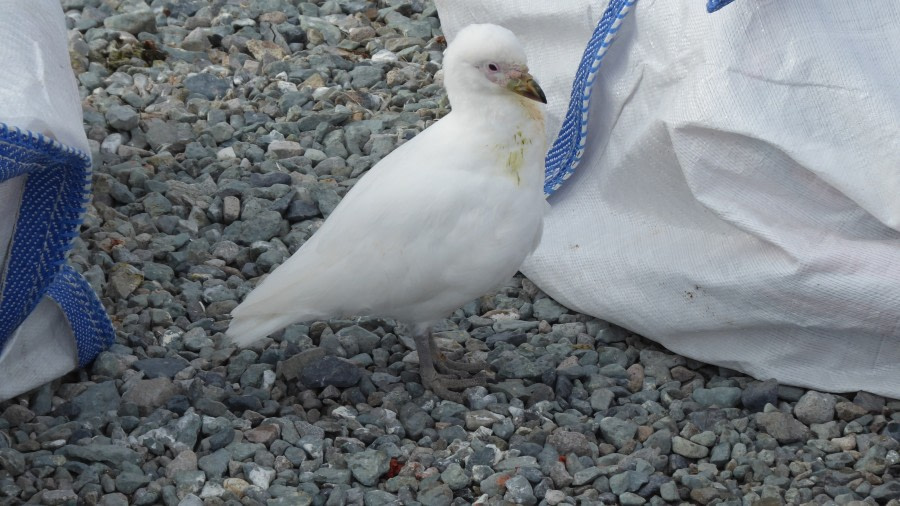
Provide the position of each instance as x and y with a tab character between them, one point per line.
442	220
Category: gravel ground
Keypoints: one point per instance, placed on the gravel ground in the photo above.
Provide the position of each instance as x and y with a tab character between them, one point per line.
223	132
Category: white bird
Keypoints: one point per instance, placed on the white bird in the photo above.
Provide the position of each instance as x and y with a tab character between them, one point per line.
442	220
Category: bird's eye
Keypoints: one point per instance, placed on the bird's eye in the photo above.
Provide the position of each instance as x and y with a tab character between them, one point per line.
493	67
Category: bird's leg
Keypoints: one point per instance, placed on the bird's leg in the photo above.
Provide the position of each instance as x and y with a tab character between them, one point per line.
440	384
447	366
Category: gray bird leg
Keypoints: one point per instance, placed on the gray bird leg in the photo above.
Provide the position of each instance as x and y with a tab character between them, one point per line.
447	366
442	385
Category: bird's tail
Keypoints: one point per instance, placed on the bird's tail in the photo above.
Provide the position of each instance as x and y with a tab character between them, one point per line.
244	330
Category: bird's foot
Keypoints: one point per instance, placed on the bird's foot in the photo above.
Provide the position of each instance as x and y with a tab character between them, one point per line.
447	366
443	385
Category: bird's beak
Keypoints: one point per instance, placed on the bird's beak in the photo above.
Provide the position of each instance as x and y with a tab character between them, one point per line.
523	83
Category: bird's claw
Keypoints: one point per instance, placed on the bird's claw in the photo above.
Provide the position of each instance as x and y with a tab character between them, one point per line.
443	385
448	366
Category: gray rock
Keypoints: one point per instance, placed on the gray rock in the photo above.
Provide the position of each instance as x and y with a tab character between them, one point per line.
365	341
587	475
59	497
759	393
519	491
368	466
439	495
17	414
886	491
688	449
332	476
128	482
723	397
207	85
628	481
455	477
548	309
566	442
109	454
12	461
600	399
332	371
669	492
515	366
617	431
284	149
132	22
366	76
166	367
122	117
631	499
123	280
815	407
380	498
150	394
99	398
215	464
782	426
114	499
870	402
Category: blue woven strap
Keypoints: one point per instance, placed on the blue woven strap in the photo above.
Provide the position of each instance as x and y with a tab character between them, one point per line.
568	148
714	5
56	189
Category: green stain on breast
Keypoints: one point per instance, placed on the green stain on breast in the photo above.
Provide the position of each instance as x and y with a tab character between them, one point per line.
516	157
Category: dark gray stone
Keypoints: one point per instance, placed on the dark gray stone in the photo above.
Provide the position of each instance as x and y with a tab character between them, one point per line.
330	371
166	367
132	22
208	85
759	393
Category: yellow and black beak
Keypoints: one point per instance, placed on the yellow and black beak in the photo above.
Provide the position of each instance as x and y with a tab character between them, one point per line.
525	85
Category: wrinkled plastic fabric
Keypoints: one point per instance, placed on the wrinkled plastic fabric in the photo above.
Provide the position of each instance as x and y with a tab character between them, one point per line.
41	132
739	196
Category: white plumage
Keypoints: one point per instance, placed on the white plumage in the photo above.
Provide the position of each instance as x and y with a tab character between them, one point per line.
443	219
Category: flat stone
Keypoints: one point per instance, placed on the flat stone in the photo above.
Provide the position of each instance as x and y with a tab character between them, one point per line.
161	367
261	49
207	85
688	449
99	398
331	371
108	454
264	434
284	149
782	426
132	22
723	397
848	411
59	497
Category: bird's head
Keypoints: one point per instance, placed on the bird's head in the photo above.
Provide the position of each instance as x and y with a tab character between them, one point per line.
488	59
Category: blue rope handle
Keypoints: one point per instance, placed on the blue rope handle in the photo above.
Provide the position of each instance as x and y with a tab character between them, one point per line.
55	193
714	5
568	148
